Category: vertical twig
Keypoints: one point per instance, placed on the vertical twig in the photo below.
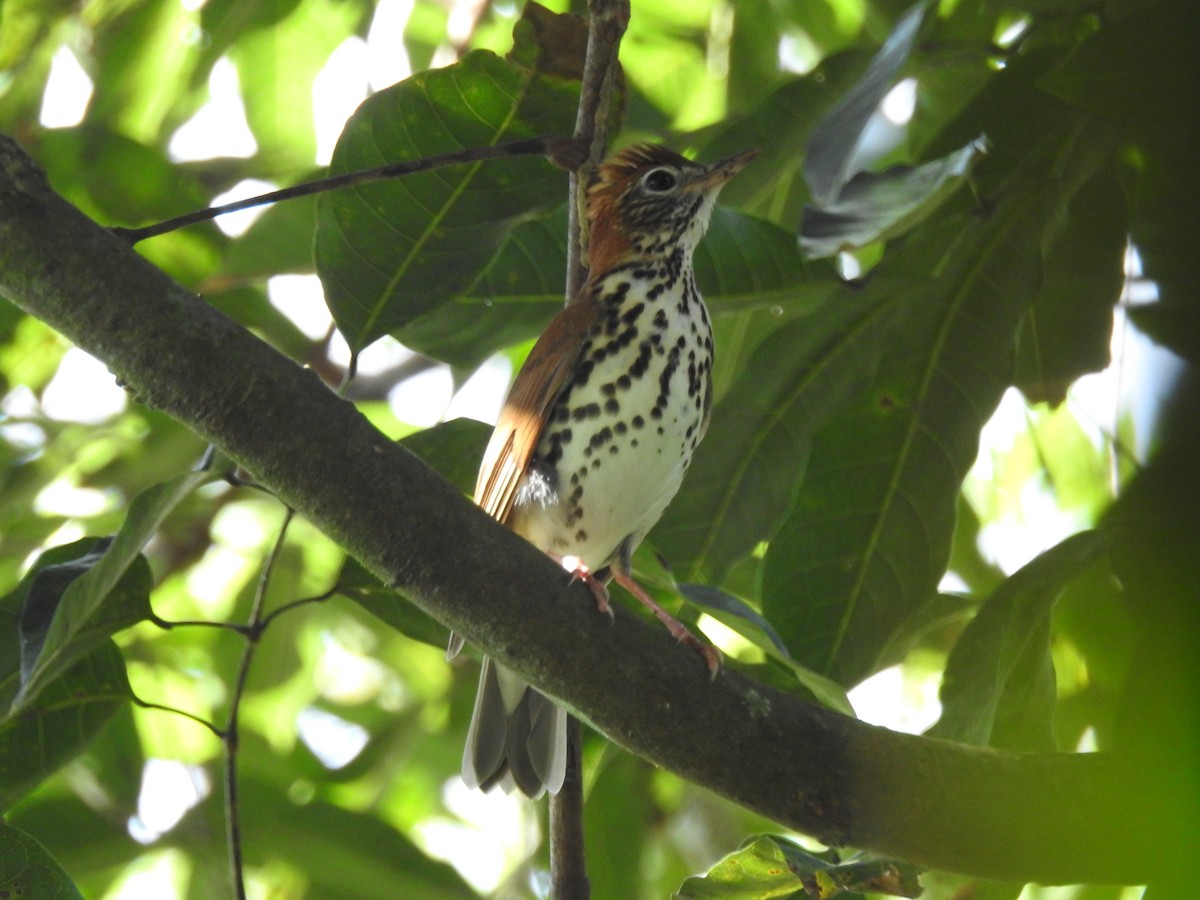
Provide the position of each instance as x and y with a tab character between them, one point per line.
568	868
254	629
607	20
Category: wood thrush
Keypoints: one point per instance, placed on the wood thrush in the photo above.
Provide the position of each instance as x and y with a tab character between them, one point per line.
600	426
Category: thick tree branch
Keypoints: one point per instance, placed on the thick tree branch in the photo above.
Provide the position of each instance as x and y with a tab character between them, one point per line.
1044	817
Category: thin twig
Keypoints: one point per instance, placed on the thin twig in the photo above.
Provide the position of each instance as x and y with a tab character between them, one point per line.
560	151
607	20
288	607
568	866
254	630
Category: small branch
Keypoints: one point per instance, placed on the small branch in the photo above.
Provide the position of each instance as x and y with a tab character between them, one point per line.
288	607
560	151
568	869
607	21
254	629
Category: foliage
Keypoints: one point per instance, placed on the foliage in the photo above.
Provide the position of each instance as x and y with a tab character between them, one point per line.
839	483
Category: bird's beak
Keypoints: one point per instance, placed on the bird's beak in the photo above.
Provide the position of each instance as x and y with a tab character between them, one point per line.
720	172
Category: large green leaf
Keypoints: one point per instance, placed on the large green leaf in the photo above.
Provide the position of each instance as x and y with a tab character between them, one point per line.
27	870
870	533
389	252
518	292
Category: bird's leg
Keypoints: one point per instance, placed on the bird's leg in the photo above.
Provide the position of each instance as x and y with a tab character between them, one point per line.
679	631
580	572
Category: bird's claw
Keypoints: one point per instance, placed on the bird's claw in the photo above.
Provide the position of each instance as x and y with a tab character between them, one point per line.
580	572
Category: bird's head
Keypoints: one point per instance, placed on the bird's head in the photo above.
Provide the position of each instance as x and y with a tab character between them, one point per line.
648	201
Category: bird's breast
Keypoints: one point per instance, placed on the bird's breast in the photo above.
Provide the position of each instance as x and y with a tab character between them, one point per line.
621	433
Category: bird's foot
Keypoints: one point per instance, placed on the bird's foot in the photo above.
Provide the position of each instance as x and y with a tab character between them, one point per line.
580	572
679	631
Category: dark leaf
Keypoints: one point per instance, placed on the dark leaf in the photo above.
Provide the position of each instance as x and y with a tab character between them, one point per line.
64	719
27	870
870	533
1069	328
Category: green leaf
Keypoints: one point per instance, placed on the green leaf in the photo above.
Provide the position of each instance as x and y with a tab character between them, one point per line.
998	687
64	719
78	609
389	252
513	300
27	870
770	866
870	533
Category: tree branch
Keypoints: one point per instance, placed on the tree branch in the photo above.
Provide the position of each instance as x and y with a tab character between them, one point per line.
1045	817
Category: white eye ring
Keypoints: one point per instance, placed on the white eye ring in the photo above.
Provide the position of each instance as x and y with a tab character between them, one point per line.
661	180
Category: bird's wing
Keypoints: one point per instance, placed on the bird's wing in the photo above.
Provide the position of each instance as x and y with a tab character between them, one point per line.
545	373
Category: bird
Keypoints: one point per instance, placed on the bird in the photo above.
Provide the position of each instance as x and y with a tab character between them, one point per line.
599	427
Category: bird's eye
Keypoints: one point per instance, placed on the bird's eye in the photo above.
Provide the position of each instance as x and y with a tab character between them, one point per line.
659	181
